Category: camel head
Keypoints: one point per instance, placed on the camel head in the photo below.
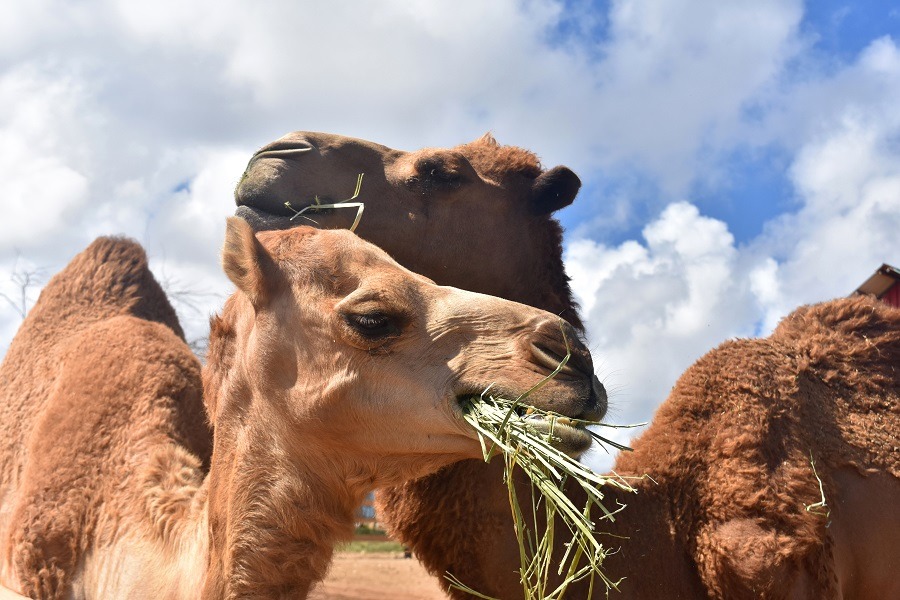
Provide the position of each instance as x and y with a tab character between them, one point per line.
476	216
342	349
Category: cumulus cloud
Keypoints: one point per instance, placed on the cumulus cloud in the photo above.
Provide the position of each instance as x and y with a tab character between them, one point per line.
654	305
677	77
46	183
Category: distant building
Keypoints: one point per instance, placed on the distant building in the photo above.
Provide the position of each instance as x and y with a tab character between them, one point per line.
884	285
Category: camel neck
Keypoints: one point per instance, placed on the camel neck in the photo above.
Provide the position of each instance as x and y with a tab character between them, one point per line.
274	517
648	514
278	499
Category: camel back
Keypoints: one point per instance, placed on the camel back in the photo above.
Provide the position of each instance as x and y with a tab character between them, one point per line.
97	376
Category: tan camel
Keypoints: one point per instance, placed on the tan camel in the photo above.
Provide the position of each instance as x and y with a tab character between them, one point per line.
457	520
332	371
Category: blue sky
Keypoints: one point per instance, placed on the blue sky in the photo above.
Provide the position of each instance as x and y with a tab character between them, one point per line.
756	187
738	159
842	29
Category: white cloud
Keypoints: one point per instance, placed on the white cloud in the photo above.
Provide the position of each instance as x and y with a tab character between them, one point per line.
673	79
818	100
652	308
137	118
678	75
846	175
187	232
850	181
45	183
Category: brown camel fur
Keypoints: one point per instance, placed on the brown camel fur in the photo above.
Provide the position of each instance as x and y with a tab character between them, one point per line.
732	513
458	519
332	371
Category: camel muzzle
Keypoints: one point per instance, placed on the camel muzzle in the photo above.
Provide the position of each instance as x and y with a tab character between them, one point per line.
257	203
552	343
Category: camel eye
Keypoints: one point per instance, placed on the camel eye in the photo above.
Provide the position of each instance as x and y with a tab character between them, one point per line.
374	325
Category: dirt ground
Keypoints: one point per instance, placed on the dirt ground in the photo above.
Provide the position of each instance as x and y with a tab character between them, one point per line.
377	576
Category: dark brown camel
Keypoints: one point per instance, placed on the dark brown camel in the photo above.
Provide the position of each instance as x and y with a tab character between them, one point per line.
458	520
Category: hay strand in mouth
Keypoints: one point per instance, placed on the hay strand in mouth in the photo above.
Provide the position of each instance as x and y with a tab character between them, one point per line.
317	205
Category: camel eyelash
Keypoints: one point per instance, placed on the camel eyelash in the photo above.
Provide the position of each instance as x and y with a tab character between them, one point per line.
372	325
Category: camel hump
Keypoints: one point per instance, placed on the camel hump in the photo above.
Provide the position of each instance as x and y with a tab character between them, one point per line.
857	316
110	277
855	341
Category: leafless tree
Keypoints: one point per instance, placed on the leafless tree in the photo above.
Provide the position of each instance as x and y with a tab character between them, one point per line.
24	280
187	299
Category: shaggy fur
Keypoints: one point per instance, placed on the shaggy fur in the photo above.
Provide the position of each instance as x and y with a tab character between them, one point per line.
730	452
498	162
108	495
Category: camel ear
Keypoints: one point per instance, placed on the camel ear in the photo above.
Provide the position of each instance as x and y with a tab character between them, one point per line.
246	262
487	139
553	190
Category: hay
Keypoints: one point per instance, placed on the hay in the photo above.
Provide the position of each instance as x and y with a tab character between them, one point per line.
317	206
524	435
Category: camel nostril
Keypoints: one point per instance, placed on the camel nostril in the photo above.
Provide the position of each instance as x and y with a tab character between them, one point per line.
549	359
579	363
286	149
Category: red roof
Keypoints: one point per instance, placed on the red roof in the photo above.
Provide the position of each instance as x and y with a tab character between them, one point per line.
884	285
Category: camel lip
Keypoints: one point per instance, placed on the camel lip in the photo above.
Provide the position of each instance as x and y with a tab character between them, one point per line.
262	220
567	434
564	435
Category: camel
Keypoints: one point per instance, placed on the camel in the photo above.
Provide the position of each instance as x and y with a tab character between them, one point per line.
777	466
683	531
332	370
477	216
776	472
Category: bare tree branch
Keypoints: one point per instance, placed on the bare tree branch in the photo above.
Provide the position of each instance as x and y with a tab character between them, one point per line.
24	280
186	298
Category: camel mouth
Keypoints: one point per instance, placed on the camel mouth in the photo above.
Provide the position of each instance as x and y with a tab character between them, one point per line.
566	435
257	188
263	220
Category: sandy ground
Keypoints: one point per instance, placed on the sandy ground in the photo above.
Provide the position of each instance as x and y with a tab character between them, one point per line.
377	576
